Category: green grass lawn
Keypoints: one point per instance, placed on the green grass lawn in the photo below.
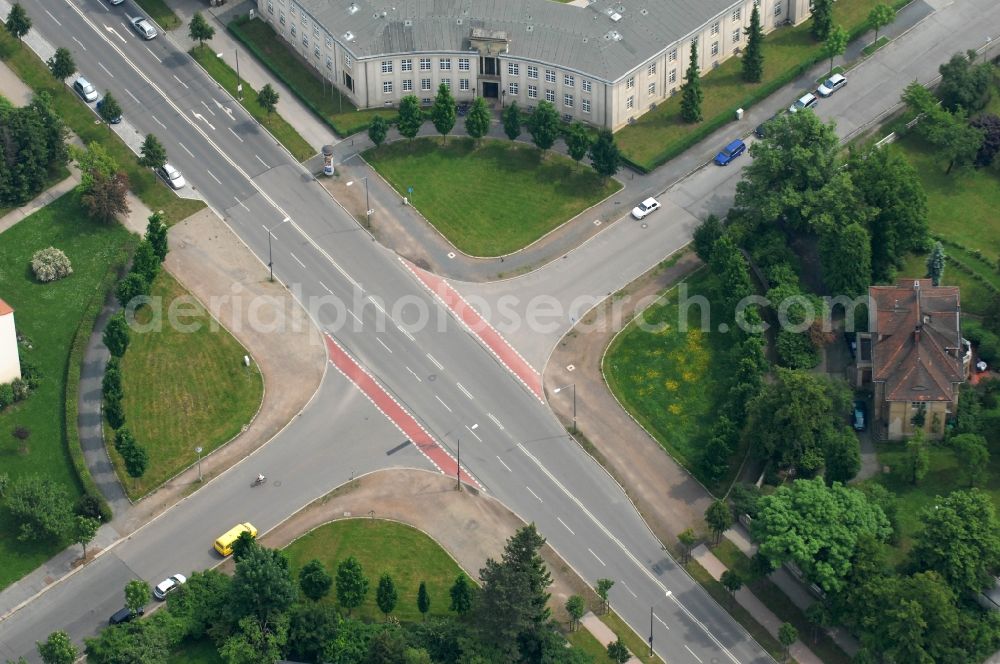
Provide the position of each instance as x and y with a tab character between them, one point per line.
673	381
183	389
160	12
492	199
406	554
660	134
80	119
325	100
202	651
946	475
48	315
277	125
975	193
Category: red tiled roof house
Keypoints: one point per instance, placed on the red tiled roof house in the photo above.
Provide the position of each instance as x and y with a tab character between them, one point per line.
918	356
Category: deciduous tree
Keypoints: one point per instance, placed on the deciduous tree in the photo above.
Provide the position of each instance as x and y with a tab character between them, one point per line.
960	540
575	607
842	456
691	93
835	44
107	197
845	253
85	529
787	635
267	99
719	518
33	139
687	540
256	641
378	129
880	16
618	652
411	118
200	29
605	157
731	581
443	112
817	528
136	461
136	595
917	461
314	581
477	122
41	508
512	120
262	585
989	125
62	66
110	109
18	22
577	140
352	586
543	125
753	57
152	153
973	455
386	595
965	85
603	588
57	649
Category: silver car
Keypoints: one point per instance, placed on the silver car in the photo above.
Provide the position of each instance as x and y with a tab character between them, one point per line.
85	89
144	28
173	176
163	588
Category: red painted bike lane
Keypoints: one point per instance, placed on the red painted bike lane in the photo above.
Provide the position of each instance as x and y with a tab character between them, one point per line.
396	414
480	327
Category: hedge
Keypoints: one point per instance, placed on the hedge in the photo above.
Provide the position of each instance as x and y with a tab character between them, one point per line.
73	367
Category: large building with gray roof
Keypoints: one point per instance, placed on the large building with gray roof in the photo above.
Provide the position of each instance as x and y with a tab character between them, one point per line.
601	62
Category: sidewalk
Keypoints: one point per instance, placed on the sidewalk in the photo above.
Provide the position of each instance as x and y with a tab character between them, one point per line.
602	632
756	608
313	130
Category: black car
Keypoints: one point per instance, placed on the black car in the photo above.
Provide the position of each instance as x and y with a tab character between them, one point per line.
860	416
125	615
762	129
116	119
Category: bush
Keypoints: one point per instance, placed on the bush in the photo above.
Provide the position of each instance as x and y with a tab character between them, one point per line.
987	343
50	264
91	506
6	395
21	389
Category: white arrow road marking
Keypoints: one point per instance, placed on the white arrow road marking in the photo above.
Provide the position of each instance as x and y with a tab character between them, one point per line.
114	32
225	109
203	119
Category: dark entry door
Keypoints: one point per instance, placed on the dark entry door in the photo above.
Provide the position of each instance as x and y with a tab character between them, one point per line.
491	89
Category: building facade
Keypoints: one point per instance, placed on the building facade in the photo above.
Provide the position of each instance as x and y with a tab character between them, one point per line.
606	63
10	363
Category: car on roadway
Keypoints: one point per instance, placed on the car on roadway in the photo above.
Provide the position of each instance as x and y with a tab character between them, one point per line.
648	206
115	120
860	419
115	2
143	27
163	588
808	100
172	176
125	615
831	85
764	128
85	89
730	152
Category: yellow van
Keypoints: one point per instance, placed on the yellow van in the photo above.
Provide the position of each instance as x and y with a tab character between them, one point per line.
224	545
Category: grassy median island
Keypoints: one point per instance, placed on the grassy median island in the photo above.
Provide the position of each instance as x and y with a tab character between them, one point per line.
491	199
324	99
225	76
405	553
673	381
48	315
183	389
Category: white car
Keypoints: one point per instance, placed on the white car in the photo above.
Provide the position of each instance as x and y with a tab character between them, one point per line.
143	27
169	585
173	176
831	85
807	100
646	207
115	2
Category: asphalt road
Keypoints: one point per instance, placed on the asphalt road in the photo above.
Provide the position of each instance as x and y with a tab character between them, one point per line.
512	444
628	248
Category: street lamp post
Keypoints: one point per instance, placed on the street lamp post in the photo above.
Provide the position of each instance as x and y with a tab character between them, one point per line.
270	261
368	207
560	389
239	84
458	467
197	451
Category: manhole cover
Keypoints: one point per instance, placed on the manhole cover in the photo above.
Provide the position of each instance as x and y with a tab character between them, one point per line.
451	254
597	222
570	367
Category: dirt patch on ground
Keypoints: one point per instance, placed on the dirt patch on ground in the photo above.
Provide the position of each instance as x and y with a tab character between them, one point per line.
218	269
470	526
667	496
